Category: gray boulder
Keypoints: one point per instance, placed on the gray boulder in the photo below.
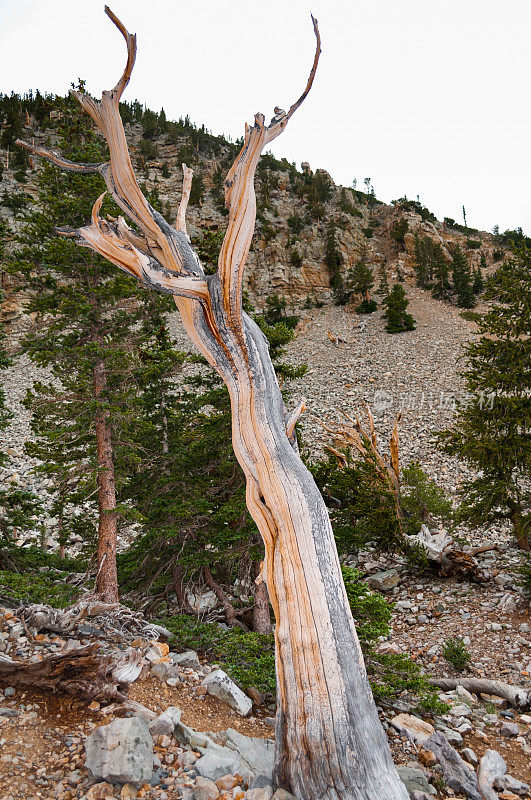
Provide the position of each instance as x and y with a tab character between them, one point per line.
384	581
509	729
217	762
456	773
265	793
187	735
219	685
415	780
257	754
205	789
513	785
121	752
187	660
165	723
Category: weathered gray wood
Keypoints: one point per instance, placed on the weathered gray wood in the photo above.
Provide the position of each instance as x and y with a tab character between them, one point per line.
517	696
77	671
330	743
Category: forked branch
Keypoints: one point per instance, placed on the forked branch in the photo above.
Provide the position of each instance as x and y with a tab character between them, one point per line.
240	198
115	242
178	270
157	239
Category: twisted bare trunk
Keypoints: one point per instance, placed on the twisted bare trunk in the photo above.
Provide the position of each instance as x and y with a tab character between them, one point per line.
261	614
330	743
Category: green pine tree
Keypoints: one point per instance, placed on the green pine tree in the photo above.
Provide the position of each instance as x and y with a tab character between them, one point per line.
333	261
87	313
184	482
360	282
462	279
492	432
479	283
383	284
19	508
439	273
397	318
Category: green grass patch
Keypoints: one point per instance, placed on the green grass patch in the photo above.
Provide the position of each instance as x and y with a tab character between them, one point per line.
37	588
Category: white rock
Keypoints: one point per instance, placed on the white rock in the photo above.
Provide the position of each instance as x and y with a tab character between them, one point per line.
221	686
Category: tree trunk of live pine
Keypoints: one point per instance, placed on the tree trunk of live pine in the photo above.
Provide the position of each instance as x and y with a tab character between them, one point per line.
520	531
261	614
107	578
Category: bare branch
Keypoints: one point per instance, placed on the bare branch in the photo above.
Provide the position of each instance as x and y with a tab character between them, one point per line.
180	222
115	243
130	40
294	417
240	201
59	160
281	119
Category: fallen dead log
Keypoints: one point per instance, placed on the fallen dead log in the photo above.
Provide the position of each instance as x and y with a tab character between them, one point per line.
113	620
443	554
516	696
78	671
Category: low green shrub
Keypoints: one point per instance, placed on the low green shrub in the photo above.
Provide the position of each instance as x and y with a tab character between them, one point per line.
367	307
524	572
249	658
37	588
456	653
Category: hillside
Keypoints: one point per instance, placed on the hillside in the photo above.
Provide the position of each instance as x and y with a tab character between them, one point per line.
299	211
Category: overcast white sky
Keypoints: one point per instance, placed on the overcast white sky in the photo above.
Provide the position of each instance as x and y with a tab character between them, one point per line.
423	96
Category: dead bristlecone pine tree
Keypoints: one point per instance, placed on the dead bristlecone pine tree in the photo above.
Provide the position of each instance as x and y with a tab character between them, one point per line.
329	741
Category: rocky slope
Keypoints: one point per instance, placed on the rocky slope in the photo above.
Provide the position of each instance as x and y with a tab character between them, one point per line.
296	211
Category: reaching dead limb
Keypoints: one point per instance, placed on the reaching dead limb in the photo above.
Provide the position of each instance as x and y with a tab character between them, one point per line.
77	671
364	441
330	744
516	696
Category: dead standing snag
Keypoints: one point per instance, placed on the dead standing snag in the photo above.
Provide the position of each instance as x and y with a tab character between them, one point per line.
330	743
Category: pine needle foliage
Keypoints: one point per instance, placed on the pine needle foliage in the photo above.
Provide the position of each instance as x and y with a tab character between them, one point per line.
462	279
493	431
86	315
396	316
